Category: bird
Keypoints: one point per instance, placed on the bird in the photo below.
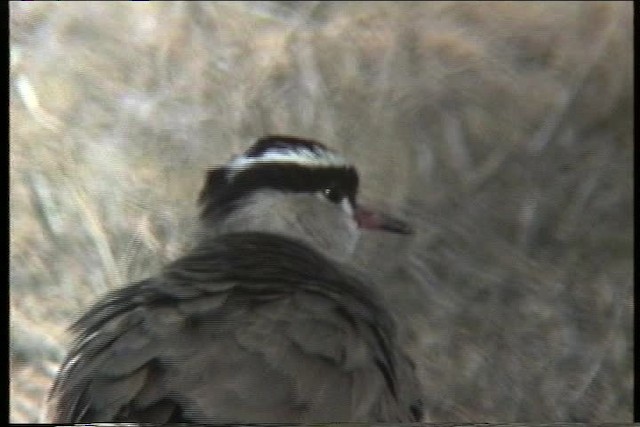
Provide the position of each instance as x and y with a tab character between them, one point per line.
262	320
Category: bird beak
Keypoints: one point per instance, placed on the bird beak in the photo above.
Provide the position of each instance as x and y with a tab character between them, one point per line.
372	220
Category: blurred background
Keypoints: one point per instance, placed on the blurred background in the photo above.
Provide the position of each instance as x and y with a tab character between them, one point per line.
501	131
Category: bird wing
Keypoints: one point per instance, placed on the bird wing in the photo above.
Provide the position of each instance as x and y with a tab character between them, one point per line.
155	352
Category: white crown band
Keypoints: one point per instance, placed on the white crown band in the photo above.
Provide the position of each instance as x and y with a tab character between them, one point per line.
293	156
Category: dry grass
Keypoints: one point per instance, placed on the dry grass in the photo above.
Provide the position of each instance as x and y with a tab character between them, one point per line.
502	130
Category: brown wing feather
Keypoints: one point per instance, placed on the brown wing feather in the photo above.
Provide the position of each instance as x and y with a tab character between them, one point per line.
219	351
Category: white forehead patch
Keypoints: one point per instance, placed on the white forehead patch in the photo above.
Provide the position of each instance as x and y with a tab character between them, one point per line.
301	156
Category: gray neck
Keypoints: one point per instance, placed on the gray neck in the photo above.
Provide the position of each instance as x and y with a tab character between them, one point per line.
327	227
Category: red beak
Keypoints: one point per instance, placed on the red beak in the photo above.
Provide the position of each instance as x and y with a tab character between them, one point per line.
371	220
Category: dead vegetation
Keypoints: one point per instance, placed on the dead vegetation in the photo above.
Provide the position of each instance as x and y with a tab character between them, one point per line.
502	130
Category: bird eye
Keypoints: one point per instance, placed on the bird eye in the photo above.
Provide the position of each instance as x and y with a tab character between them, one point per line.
333	194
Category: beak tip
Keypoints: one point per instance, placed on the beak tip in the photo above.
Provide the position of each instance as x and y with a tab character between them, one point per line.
406	229
398	227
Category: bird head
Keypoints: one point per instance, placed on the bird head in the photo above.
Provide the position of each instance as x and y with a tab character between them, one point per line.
295	187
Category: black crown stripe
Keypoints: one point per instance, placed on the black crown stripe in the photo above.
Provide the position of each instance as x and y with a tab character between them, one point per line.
221	193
